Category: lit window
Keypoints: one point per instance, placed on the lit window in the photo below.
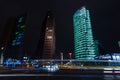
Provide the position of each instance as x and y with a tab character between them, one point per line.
2	48
47	28
20	19
50	30
22	26
49	37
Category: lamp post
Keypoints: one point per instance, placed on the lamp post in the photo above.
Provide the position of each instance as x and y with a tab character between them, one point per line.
61	57
70	55
2	56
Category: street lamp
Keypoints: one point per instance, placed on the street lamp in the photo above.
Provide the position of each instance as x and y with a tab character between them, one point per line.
70	55
2	56
61	57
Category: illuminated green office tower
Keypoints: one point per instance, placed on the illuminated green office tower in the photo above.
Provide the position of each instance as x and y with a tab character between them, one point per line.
84	47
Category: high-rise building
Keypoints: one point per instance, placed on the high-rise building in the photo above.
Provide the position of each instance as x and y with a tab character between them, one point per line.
119	44
11	42
84	47
97	45
46	45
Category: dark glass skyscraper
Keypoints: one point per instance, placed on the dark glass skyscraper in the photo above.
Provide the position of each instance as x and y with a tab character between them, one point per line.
11	43
46	46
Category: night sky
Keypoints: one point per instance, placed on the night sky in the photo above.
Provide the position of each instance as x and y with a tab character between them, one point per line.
104	15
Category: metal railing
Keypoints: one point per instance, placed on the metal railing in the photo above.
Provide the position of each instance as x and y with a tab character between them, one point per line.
65	62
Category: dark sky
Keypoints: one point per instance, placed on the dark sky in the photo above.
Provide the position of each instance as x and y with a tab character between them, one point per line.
104	14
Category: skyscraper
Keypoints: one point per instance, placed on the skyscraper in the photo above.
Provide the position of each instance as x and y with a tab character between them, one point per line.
84	47
97	49
46	45
119	44
11	43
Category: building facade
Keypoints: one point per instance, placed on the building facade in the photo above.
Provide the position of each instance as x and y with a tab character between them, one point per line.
84	47
119	44
46	45
12	39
